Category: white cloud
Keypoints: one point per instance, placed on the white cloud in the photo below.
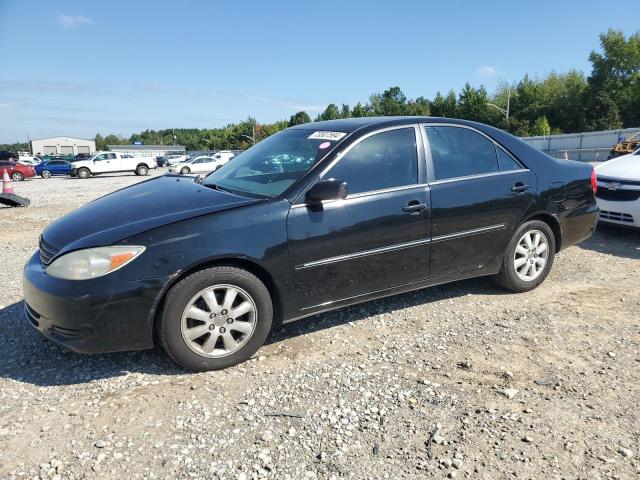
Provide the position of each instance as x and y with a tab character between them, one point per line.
72	21
486	71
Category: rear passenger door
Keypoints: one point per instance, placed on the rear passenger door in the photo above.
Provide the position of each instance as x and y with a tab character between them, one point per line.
479	194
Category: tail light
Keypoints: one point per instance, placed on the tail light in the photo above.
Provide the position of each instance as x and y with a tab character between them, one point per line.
594	181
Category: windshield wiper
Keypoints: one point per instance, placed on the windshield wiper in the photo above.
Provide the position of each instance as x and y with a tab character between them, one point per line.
218	187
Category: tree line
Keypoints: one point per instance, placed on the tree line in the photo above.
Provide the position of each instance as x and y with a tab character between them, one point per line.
608	98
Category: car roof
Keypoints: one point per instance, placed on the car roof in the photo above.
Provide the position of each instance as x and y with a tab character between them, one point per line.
349	125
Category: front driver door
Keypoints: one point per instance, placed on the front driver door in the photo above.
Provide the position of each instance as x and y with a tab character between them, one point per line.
375	239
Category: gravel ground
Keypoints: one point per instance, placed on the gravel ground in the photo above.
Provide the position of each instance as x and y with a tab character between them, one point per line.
462	380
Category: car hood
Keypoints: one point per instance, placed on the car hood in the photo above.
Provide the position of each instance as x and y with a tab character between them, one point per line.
626	167
136	209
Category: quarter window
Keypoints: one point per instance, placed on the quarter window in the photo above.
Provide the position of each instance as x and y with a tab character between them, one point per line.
460	152
506	162
385	160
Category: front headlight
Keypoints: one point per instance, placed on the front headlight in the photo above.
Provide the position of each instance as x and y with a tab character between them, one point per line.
92	262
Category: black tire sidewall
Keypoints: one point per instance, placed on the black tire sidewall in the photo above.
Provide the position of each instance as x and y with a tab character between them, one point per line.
17	177
81	173
46	174
184	170
510	270
142	170
181	294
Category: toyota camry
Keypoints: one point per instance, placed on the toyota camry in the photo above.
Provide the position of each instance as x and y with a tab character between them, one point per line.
316	217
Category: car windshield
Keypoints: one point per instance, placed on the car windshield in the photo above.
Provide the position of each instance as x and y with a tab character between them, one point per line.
271	166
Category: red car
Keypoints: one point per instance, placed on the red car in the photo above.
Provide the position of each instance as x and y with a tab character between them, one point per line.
17	171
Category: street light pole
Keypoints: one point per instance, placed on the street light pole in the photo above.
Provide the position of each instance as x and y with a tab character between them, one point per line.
500	109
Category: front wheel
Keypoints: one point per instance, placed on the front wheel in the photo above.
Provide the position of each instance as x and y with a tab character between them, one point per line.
45	174
84	173
215	318
528	258
184	170
17	177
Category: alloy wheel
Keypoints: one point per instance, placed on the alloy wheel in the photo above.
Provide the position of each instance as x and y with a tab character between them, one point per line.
531	254
218	320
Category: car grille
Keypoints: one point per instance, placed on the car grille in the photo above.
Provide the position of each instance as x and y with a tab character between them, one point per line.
47	252
618	195
617	216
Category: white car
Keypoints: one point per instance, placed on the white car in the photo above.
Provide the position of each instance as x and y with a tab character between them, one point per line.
202	164
112	162
25	160
175	159
618	194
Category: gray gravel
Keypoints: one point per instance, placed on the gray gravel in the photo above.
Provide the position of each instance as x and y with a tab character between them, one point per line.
457	381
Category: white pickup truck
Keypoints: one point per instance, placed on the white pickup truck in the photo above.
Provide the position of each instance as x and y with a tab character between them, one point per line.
112	162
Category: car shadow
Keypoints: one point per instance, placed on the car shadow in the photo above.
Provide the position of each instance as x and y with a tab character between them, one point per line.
26	356
612	240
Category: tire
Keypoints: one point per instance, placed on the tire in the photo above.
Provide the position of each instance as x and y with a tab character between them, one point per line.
528	257
45	174
203	343
185	170
17	177
142	170
84	173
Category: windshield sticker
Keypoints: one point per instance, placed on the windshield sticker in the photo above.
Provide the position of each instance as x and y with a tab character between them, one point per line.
325	135
324	145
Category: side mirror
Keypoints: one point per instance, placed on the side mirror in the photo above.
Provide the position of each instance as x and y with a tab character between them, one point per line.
331	189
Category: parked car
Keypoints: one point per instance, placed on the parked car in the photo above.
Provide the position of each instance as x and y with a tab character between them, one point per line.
27	160
618	194
202	164
378	206
6	155
224	156
175	159
17	171
112	162
53	167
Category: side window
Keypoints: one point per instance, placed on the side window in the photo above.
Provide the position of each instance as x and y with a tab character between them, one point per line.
460	152
506	162
102	156
113	156
385	160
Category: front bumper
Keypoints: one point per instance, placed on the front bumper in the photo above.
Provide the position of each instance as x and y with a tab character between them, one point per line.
619	212
104	314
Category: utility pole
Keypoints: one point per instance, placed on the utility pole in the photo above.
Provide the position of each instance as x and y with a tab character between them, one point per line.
253	135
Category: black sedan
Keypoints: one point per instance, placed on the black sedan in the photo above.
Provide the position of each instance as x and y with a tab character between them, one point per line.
316	217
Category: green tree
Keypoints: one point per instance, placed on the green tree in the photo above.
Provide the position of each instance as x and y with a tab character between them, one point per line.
473	104
442	106
299	118
541	126
100	143
616	73
345	111
330	113
603	113
360	110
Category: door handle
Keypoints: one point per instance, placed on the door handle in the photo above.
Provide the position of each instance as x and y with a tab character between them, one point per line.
415	207
520	187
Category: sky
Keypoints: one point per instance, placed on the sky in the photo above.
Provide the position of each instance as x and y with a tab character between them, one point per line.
77	67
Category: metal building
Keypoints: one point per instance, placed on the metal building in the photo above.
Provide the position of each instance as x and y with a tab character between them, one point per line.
62	146
147	150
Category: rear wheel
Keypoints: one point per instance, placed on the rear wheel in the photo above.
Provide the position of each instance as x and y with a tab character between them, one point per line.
17	176
84	173
142	170
528	258
45	174
215	318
